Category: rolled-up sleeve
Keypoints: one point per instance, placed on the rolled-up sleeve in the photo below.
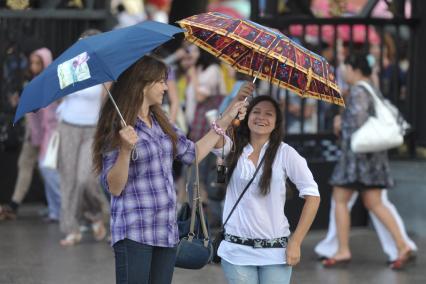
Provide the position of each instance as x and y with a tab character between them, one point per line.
185	148
108	160
299	173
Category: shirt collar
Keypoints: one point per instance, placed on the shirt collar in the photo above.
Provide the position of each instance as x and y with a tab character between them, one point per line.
248	149
141	125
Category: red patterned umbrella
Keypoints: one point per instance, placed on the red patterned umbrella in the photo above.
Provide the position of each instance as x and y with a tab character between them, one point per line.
266	53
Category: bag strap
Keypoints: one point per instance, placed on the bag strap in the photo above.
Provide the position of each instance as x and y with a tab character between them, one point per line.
244	191
393	110
370	90
378	99
382	102
197	205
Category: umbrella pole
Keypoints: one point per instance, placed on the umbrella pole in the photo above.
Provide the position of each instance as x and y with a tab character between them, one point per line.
115	105
254	81
134	152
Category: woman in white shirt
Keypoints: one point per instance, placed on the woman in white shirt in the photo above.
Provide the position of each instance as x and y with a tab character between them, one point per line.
260	213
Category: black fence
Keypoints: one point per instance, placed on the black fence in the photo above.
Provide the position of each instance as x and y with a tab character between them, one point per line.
53	28
21	32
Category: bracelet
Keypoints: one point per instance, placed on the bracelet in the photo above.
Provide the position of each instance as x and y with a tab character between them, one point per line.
218	129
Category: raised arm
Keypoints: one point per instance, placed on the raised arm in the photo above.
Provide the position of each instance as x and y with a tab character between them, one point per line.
212	138
237	106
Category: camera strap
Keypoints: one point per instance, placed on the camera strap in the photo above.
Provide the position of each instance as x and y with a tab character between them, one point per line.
223	149
244	191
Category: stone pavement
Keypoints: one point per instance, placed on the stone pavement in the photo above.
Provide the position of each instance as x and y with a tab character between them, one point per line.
30	254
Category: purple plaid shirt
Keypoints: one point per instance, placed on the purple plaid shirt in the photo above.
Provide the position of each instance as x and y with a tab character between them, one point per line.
145	211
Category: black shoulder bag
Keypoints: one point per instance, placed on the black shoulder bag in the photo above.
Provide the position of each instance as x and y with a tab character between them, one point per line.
221	233
195	249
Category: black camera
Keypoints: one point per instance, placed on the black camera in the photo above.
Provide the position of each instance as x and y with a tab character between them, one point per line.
222	171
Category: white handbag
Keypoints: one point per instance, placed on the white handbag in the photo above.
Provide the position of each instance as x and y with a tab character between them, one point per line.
381	132
50	159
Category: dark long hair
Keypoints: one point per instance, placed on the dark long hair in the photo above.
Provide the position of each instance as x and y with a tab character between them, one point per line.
128	94
242	138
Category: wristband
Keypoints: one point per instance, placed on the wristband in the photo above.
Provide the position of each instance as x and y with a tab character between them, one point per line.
218	129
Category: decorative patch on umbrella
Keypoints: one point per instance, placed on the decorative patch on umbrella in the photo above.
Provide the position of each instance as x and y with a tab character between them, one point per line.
74	70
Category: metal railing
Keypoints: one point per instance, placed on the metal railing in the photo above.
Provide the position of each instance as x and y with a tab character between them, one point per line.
24	31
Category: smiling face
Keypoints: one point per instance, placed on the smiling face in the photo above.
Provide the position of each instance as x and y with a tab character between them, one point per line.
262	118
154	92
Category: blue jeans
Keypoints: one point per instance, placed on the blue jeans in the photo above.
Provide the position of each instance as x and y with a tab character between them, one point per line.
250	274
51	188
139	263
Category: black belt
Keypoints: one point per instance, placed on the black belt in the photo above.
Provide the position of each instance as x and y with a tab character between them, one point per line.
257	243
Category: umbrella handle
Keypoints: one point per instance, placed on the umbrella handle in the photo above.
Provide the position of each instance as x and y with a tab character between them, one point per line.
135	155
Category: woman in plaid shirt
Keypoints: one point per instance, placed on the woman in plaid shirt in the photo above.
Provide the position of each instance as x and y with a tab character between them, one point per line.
135	166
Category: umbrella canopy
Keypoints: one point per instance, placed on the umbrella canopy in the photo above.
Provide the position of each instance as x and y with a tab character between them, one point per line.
91	61
258	50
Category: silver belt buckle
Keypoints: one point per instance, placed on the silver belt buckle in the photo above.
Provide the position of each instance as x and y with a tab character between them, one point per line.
257	243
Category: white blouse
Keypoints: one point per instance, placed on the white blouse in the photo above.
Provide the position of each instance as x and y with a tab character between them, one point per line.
82	107
258	216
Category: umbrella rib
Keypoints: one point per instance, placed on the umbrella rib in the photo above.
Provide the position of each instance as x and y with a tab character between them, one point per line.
264	57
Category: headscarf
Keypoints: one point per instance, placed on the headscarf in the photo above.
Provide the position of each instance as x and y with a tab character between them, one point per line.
34	120
45	54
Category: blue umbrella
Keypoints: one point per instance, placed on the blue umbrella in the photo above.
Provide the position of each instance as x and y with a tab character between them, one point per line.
91	61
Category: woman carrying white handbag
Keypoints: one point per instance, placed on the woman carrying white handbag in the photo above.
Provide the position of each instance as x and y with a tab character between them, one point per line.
365	172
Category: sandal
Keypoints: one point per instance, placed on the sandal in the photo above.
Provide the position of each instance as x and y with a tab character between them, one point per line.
99	231
71	240
332	262
7	213
401	262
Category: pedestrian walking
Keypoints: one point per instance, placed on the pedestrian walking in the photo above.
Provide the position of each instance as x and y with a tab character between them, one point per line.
82	197
39	127
368	173
328	246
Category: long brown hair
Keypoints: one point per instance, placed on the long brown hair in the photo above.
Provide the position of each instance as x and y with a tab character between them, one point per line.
242	138
127	92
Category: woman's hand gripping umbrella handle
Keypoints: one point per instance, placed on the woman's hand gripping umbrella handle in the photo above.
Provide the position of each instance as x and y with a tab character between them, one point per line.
244	93
123	122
